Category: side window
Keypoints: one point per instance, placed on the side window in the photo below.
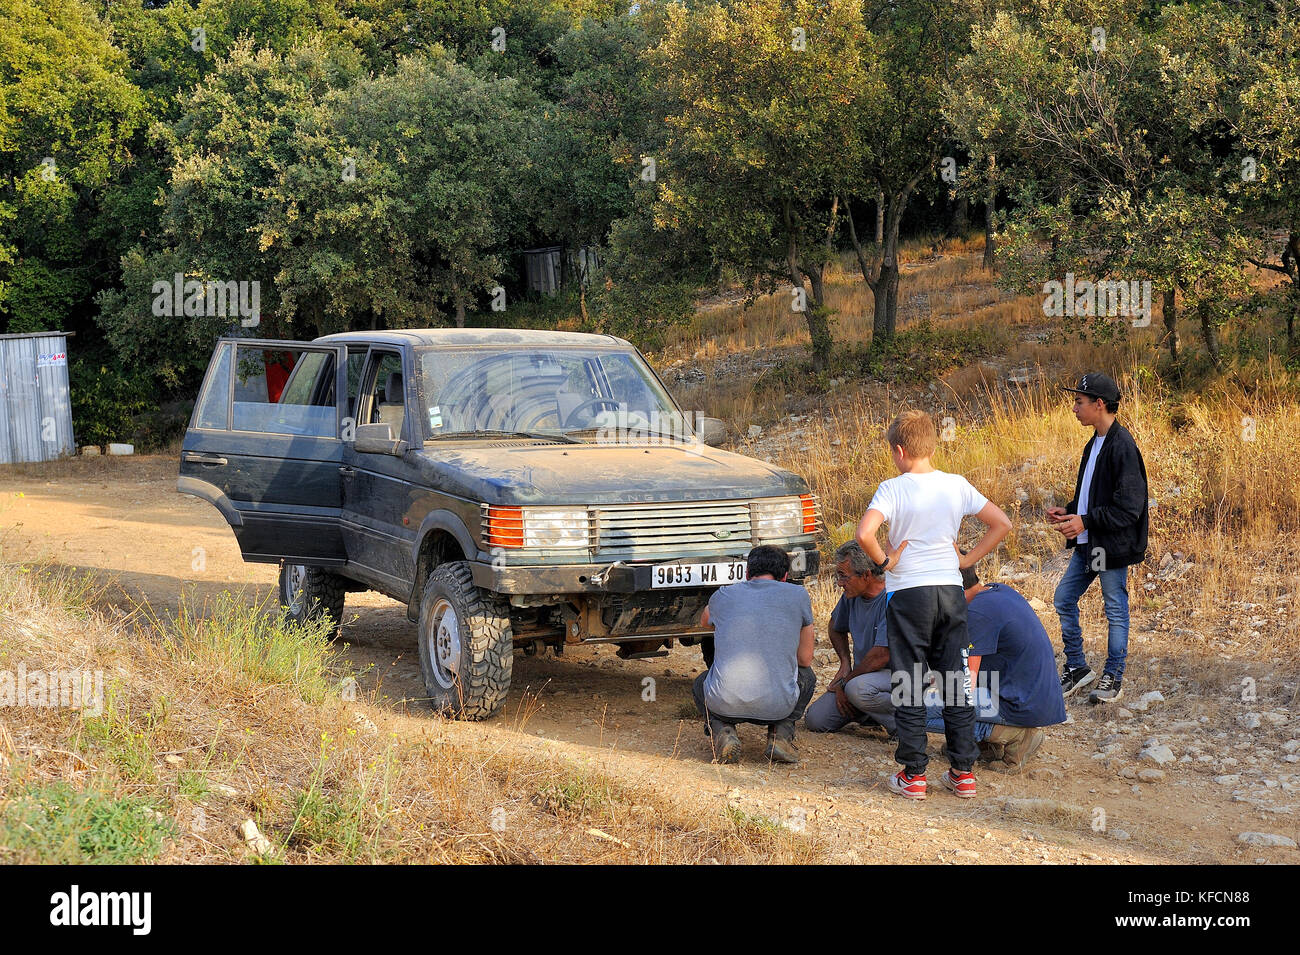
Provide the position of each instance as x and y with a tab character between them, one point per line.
284	391
213	409
356	365
385	398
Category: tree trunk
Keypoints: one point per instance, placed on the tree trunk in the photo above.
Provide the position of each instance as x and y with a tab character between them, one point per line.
460	303
990	208
1209	332
880	218
819	332
1170	310
959	221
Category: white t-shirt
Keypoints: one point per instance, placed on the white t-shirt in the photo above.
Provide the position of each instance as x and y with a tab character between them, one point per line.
925	510
1086	487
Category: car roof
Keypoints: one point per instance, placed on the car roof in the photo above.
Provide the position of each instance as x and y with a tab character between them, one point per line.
538	338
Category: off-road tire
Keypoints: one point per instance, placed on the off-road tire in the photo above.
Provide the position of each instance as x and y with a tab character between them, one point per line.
322	594
478	686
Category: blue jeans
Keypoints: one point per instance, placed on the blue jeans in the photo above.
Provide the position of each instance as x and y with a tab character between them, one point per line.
1114	592
985	714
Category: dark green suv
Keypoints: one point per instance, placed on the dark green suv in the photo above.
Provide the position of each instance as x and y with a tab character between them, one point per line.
515	489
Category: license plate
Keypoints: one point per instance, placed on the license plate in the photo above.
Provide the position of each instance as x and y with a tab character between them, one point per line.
697	575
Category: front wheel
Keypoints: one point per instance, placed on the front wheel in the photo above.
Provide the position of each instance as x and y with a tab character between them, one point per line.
310	592
466	645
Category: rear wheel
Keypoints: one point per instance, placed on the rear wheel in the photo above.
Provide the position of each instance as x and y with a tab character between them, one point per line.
466	645
311	592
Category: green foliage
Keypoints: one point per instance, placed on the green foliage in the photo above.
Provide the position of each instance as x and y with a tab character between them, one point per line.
55	824
67	115
104	399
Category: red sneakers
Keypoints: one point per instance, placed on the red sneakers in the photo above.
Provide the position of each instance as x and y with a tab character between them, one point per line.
909	787
962	784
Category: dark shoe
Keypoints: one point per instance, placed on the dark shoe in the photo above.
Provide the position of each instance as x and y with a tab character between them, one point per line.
780	749
726	744
1074	680
1108	690
1017	743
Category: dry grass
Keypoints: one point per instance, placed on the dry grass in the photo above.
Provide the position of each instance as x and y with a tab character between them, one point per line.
1217	459
218	717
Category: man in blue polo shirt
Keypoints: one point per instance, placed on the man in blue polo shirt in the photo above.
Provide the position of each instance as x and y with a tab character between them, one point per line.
1013	668
860	690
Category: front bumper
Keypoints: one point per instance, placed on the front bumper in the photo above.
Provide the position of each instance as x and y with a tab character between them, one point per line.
615	578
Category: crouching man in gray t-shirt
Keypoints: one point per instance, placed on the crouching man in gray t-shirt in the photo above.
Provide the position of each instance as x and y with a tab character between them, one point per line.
762	658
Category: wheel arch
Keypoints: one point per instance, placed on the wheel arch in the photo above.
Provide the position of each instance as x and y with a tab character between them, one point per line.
442	538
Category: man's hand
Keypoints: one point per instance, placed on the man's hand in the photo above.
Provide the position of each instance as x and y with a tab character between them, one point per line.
842	703
842	674
1070	526
1055	514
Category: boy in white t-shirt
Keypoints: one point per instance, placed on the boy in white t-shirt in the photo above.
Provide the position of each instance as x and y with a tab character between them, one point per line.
926	618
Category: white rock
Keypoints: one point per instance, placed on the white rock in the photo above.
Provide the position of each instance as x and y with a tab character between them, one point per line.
1152	696
1120	834
1150	775
1291	746
1037	605
1228	779
254	838
1274	719
1266	839
121	449
1249	721
755	430
1159	754
90	451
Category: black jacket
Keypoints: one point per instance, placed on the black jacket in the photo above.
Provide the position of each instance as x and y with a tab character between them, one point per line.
1117	503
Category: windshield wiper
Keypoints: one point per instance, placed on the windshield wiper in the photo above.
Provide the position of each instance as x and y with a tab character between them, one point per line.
492	433
634	433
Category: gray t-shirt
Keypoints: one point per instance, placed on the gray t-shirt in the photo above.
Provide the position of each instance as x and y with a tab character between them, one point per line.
863	618
755	669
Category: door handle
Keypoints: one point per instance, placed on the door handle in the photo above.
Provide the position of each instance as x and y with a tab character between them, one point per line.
213	459
347	471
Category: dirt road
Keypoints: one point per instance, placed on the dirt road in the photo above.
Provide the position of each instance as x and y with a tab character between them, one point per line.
123	519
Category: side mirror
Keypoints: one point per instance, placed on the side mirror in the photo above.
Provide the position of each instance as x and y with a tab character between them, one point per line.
378	439
712	431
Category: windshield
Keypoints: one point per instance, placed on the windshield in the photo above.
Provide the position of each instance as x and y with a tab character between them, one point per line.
549	391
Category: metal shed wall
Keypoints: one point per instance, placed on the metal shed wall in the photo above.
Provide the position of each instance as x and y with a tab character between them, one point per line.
35	403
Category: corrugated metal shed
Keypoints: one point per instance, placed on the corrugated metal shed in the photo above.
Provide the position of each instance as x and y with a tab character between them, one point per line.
35	404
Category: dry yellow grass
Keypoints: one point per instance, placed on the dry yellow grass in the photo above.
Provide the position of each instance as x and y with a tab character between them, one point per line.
1218	461
192	741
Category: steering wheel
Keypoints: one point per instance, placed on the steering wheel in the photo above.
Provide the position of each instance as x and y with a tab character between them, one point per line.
569	419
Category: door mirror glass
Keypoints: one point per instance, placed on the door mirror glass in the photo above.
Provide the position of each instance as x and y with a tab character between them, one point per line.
712	430
378	439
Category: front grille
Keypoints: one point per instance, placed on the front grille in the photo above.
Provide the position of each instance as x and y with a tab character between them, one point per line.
625	529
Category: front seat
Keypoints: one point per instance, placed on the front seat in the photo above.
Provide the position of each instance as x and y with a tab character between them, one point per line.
392	410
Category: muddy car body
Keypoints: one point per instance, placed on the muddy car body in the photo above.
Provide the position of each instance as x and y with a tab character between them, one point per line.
515	489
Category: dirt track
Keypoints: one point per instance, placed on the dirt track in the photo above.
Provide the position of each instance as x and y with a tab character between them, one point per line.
122	518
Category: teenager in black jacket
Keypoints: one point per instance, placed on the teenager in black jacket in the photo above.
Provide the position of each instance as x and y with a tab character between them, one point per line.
1106	525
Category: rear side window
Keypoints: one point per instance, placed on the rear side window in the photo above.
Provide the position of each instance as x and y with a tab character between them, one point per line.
213	410
285	391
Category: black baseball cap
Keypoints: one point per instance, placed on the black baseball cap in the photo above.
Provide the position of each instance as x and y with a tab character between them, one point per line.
1097	385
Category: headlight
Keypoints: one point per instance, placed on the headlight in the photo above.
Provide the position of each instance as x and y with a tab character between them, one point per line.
536	527
786	517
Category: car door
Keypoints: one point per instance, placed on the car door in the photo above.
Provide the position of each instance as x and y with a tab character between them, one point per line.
265	446
377	488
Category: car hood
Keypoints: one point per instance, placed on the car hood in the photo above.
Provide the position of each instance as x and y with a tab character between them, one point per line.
506	473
